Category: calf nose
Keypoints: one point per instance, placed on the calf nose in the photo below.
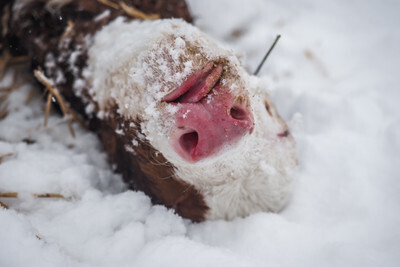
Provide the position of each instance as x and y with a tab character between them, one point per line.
217	120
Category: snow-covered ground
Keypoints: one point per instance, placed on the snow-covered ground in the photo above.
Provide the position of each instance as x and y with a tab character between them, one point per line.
336	66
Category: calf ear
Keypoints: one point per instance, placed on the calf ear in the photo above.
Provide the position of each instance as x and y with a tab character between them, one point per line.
191	205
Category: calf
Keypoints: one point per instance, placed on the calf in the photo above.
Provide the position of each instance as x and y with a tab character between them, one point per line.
176	112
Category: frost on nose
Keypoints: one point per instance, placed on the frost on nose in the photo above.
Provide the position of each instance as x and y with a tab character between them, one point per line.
209	116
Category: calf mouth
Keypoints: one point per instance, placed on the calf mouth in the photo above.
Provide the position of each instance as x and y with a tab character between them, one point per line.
209	117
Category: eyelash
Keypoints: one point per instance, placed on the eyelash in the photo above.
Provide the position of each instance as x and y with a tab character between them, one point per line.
267	107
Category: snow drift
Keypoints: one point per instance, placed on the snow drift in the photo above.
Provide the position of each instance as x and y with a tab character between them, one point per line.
333	74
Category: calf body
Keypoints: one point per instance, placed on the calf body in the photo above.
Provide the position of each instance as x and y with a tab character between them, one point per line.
176	112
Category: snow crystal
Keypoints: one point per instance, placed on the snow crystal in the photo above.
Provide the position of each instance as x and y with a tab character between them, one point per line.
73	61
135	142
60	78
179	42
119	131
89	108
100	114
79	85
186	113
130	149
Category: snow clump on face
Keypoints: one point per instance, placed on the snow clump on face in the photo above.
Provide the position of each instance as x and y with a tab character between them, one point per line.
148	59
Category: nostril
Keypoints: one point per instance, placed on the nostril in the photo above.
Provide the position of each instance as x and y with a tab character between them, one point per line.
238	113
188	141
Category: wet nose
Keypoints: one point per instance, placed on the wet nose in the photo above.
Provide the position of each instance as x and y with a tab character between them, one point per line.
204	126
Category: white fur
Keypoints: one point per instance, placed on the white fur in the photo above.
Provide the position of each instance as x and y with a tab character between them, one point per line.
135	64
254	175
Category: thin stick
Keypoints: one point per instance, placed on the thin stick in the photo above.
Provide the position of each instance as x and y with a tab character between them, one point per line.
62	104
3	205
48	106
13	85
9	194
76	117
4	112
266	55
47	83
5	92
131	11
109	3
68	30
4	61
2	72
30	96
46	195
2	157
7	60
18	60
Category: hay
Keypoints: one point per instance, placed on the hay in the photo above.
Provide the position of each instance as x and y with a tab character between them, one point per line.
53	91
3	205
15	195
44	195
6	60
2	157
109	3
133	12
68	30
129	10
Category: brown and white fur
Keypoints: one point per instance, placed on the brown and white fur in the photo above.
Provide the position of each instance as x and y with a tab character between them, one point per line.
116	72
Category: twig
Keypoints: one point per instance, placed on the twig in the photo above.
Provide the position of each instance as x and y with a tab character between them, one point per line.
5	19
7	60
8	195
5	91
30	95
76	117
49	195
48	106
4	62
266	55
15	195
131	11
18	60
2	157
3	205
68	30
109	3
46	195
320	66
54	91
2	73
4	111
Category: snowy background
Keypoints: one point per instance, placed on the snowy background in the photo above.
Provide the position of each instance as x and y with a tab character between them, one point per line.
336	67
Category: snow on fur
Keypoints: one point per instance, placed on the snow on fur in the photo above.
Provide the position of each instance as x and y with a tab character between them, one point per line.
148	60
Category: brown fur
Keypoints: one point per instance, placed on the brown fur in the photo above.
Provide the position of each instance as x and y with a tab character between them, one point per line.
38	32
146	169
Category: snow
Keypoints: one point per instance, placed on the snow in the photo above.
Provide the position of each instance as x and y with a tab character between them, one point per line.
336	64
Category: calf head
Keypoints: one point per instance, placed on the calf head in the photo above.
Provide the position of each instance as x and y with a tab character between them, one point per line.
188	113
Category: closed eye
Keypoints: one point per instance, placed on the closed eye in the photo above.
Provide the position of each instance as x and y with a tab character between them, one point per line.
267	107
